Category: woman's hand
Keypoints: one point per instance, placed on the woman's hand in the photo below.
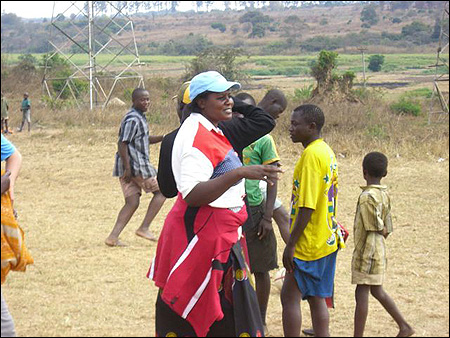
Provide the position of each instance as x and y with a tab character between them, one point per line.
268	173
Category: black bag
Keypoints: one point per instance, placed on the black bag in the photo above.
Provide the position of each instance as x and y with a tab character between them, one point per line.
166	180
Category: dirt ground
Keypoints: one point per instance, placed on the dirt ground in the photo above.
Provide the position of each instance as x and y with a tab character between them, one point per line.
68	201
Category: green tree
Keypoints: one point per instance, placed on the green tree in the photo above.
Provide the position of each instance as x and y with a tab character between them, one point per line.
259	22
331	86
11	20
369	15
223	60
322	69
415	28
418	33
376	62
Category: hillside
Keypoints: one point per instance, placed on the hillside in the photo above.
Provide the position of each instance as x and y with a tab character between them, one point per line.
408	28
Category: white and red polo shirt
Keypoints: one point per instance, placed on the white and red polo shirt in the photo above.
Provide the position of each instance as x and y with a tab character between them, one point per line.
201	152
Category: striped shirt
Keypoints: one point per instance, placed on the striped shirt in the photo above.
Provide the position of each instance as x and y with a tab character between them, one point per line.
372	215
134	131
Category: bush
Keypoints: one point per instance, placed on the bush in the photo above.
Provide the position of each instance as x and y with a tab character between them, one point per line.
377	131
376	62
222	60
275	48
425	93
292	20
192	44
303	94
27	63
220	26
79	88
319	43
405	106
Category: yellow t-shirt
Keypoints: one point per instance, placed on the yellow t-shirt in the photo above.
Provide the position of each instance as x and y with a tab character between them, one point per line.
315	187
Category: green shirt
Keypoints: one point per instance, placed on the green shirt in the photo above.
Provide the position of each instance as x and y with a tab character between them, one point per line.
260	152
26	104
315	187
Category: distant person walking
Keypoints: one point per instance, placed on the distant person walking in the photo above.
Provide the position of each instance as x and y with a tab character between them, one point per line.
26	112
133	167
373	224
5	117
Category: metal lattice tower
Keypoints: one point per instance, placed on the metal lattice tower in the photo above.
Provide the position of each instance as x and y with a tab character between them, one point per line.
108	48
439	103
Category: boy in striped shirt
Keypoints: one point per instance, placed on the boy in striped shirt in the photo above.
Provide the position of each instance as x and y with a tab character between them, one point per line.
133	167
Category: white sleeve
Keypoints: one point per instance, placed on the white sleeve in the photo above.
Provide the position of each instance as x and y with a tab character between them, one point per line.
195	168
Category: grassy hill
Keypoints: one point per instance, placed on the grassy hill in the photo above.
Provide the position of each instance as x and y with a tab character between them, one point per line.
290	32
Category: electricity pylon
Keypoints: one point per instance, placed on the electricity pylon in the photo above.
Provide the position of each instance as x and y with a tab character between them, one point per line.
101	51
439	103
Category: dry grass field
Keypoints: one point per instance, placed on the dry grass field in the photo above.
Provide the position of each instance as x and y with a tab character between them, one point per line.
68	201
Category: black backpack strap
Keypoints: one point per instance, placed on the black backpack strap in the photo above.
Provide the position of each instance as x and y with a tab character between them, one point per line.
166	180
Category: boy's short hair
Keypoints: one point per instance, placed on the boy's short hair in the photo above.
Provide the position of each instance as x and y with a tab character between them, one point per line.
278	96
312	113
375	164
246	97
137	92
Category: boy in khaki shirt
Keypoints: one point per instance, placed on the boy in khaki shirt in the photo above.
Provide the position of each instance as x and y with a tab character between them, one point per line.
372	226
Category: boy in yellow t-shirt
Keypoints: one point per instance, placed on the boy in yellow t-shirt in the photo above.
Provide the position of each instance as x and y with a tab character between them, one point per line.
310	255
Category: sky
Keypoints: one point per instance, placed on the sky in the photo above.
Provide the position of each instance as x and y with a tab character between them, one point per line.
30	9
44	9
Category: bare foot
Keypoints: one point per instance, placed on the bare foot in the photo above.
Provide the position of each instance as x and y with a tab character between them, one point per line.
147	235
406	332
114	243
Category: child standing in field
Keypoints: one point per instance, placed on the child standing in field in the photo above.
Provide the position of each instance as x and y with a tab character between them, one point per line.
133	167
26	112
372	226
310	254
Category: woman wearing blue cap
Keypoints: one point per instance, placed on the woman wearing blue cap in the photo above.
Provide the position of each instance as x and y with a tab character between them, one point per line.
199	265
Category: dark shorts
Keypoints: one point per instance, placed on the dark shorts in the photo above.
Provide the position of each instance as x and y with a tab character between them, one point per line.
316	278
262	253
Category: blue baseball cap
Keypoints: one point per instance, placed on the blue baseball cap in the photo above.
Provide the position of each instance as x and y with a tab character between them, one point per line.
211	81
